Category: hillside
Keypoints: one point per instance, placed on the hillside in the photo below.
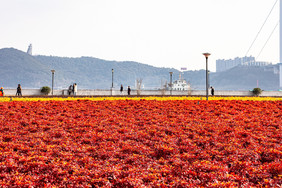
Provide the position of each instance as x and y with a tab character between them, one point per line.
93	73
19	67
245	78
87	72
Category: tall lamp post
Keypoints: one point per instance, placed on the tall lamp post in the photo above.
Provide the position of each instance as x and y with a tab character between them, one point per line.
112	81
112	78
170	82
207	75
53	72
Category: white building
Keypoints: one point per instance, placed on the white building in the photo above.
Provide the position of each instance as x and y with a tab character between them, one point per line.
180	85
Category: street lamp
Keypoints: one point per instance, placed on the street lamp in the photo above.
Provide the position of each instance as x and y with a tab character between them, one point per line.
53	71
209	79
112	78
207	76
112	82
170	82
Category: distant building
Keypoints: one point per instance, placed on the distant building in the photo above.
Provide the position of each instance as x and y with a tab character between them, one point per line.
272	68
256	63
180	85
29	50
223	65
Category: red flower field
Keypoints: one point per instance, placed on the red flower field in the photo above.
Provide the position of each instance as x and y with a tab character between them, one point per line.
145	143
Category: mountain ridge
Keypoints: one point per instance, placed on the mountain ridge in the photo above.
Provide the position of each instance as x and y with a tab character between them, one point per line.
18	67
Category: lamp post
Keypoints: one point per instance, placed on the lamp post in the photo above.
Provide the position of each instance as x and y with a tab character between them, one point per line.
207	76
209	79
112	78
53	72
112	81
170	82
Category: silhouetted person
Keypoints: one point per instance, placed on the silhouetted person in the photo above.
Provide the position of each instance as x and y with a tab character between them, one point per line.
19	90
128	90
212	91
121	89
70	89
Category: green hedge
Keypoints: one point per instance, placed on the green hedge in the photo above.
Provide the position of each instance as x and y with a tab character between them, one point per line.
45	90
257	91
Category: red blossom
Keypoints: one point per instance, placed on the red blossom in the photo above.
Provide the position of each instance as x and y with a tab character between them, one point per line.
127	143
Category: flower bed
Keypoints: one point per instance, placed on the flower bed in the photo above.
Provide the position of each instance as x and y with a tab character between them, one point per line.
135	143
159	98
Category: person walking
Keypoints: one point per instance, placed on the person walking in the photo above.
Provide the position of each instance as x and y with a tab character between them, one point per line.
121	89
70	89
212	91
128	90
19	90
74	89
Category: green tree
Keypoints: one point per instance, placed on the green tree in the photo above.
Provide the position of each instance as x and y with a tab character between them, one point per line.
45	90
257	91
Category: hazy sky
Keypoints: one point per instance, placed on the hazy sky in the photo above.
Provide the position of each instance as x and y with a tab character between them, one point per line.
162	33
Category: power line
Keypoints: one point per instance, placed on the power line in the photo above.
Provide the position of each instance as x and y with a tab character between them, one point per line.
267	39
261	28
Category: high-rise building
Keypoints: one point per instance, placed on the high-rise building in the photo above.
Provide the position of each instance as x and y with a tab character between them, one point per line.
29	50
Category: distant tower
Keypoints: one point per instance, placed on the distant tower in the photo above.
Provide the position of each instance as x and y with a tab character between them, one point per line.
29	50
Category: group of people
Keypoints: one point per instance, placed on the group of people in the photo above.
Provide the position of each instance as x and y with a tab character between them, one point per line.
18	93
128	89
72	89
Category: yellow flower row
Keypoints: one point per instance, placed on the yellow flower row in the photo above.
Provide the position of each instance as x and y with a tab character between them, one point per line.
6	99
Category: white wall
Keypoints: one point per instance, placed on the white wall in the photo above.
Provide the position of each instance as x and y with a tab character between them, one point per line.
36	92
